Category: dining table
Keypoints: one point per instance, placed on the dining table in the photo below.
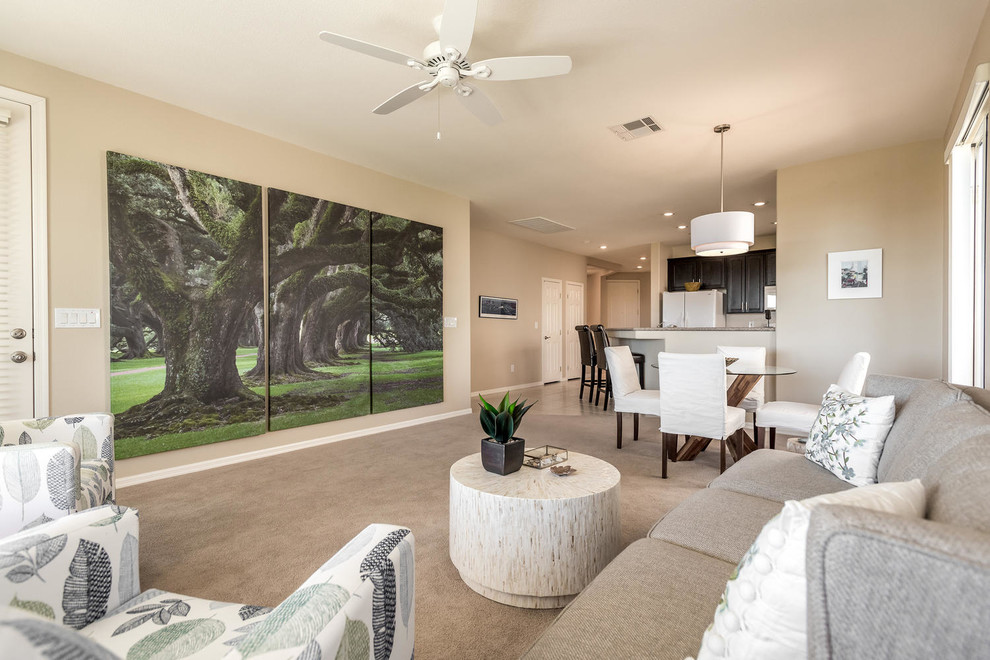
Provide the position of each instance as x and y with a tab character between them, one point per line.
746	378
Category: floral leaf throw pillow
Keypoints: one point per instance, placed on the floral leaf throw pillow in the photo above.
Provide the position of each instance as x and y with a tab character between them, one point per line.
848	435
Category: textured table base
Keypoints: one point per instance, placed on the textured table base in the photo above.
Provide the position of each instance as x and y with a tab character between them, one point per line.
519	600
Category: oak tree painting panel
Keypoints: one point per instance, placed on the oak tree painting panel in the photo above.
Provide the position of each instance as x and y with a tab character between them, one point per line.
406	312
186	290
319	311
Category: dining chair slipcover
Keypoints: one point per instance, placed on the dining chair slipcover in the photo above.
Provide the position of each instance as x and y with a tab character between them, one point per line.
627	395
796	419
749	356
692	400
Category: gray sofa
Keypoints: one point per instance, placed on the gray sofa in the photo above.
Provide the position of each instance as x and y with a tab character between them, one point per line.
879	586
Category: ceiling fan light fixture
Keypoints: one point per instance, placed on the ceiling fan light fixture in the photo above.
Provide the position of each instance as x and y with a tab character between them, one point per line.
726	232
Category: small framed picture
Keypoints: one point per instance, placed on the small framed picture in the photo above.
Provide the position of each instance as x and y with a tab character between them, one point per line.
855	274
490	307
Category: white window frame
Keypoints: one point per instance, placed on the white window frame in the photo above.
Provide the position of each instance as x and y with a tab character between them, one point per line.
39	243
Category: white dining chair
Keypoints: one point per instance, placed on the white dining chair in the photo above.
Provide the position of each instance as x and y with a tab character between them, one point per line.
792	418
748	356
692	403
627	395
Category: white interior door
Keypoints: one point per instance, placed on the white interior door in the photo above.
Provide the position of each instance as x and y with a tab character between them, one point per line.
623	303
573	315
16	273
553	339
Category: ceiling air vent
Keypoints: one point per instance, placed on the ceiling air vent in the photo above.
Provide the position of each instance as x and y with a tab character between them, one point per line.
542	225
636	129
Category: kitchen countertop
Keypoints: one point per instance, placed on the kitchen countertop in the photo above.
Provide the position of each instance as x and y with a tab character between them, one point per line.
759	329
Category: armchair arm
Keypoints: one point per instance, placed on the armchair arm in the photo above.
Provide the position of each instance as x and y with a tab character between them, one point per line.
884	586
75	569
358	604
91	433
38	483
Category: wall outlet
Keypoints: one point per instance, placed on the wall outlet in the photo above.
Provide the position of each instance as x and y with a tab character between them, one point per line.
450	321
512	368
76	318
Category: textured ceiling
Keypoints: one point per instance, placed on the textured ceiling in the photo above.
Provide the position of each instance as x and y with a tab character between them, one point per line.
799	80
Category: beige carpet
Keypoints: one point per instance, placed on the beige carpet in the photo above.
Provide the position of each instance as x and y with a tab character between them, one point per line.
253	532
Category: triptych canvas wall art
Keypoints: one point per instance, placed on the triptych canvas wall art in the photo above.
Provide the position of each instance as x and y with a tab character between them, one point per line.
354	309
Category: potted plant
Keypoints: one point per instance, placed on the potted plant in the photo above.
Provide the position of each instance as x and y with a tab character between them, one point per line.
502	452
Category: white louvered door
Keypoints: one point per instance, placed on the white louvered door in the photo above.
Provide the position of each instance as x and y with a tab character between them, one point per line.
574	315
16	277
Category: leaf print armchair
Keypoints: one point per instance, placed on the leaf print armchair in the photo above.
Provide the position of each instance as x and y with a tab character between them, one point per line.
72	585
38	456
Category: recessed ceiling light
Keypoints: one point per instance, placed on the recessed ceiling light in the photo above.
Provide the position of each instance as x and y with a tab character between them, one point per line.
759	203
668	213
638	266
682	226
642	258
603	247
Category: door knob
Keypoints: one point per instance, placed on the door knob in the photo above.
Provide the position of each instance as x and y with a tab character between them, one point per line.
18	357
546	336
18	333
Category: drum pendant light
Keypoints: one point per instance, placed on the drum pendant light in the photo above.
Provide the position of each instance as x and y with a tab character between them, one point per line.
725	232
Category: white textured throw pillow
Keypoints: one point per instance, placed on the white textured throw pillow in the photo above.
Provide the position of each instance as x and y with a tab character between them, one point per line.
763	611
847	438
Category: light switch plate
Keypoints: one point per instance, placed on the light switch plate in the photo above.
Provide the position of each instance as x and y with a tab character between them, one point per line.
75	317
450	321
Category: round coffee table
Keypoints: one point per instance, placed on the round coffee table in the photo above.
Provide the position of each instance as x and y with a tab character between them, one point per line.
531	538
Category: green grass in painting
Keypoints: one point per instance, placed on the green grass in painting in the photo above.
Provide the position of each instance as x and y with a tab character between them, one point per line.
139	446
402	380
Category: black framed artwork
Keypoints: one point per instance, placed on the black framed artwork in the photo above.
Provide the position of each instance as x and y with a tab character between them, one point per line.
492	307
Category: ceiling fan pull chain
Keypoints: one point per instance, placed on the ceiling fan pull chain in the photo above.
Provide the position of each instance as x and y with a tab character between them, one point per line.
438	117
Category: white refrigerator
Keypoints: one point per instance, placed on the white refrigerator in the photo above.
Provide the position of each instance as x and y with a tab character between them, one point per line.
693	309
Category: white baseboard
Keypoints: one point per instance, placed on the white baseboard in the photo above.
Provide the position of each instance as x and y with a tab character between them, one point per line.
179	470
521	386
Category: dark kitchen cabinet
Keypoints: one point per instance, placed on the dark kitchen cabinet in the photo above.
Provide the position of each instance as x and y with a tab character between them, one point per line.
735	284
680	271
755	277
770	259
741	276
712	273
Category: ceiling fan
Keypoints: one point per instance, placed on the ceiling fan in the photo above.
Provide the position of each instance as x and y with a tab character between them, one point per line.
445	61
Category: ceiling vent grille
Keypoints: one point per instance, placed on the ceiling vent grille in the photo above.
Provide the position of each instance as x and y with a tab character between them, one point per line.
637	128
541	224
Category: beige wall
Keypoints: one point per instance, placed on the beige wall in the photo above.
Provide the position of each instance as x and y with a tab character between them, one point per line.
644	295
593	299
891	199
511	268
86	118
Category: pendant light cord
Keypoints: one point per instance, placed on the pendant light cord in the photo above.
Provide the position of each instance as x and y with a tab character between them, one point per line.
721	174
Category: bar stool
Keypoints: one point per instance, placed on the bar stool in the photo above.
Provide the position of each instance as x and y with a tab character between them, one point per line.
588	360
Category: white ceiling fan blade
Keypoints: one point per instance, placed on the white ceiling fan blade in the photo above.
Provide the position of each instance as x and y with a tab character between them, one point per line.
381	53
481	106
457	24
520	68
405	97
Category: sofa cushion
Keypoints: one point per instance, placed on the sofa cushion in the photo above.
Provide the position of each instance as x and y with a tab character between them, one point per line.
28	635
959	487
900	386
719	523
158	618
779	476
908	434
653	601
941	433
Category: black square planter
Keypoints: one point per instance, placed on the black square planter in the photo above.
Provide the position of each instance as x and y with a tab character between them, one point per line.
503	459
